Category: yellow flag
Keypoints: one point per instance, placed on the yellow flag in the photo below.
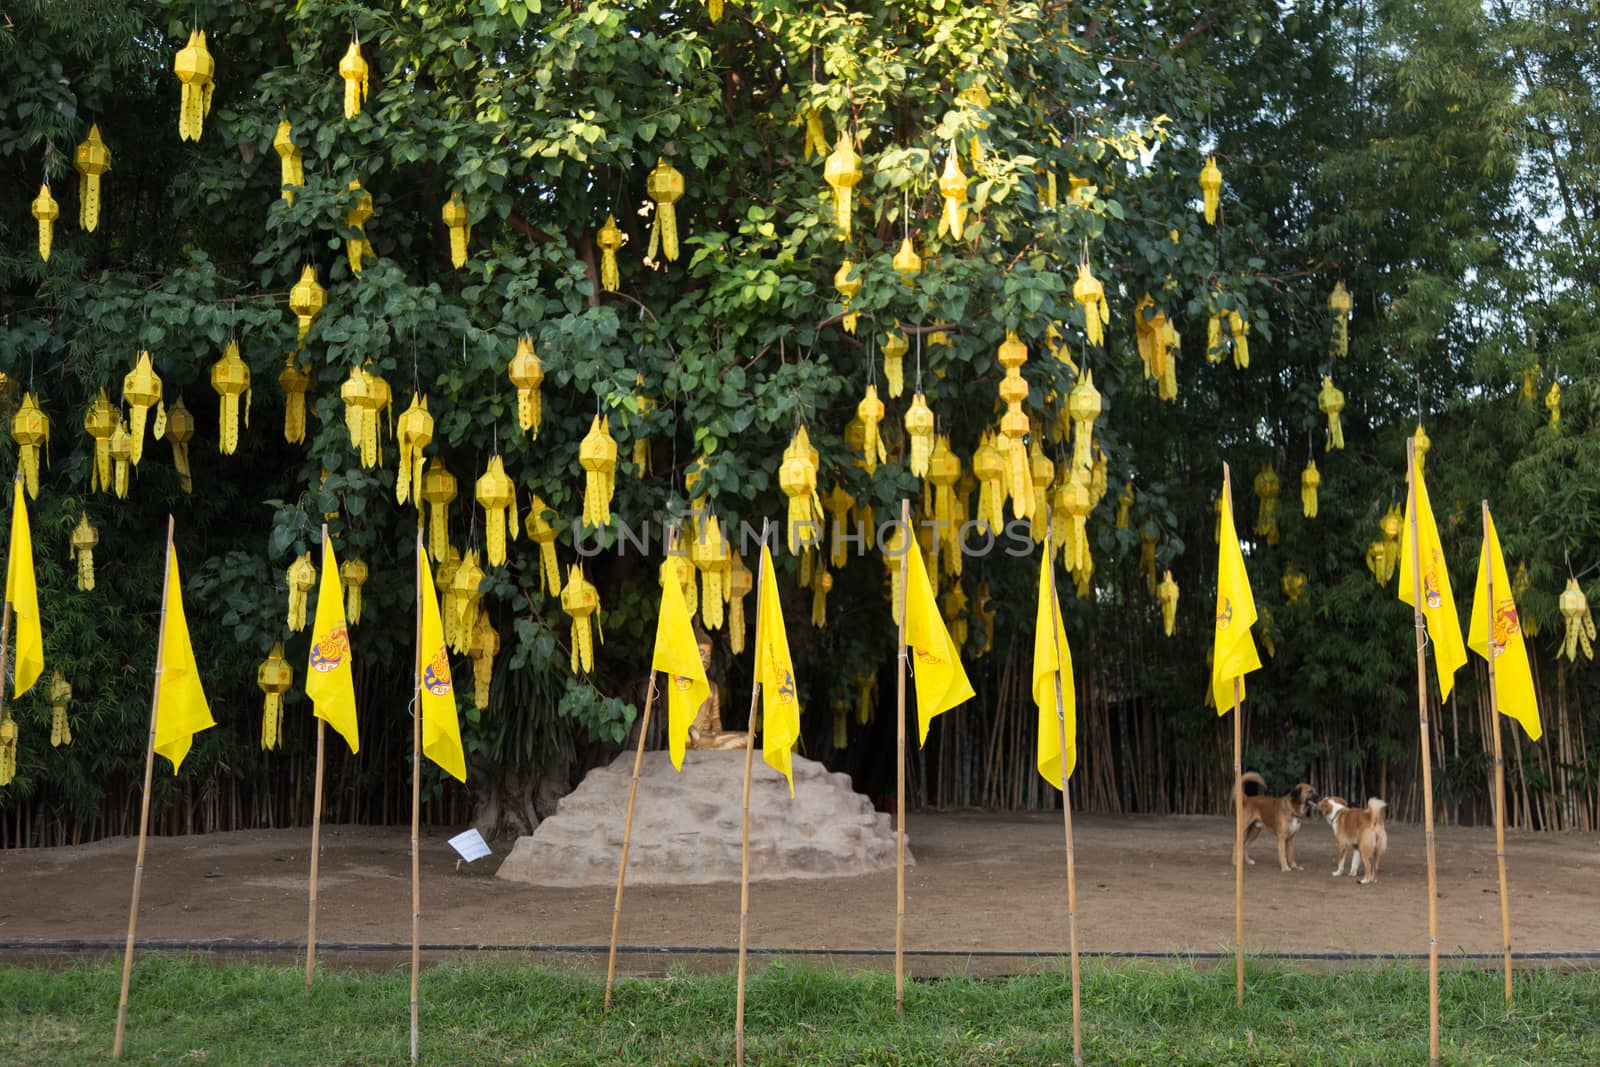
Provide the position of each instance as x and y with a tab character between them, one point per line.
941	680
436	699
678	656
1051	657
1513	680
22	593
1438	606
1233	650
780	698
181	710
330	681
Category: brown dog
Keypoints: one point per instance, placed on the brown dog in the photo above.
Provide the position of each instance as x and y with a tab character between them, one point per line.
1281	815
1359	833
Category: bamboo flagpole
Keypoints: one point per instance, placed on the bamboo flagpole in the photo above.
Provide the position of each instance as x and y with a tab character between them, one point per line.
416	801
1421	624
1238	809
744	823
1066	803
316	836
627	836
900	776
144	804
1499	766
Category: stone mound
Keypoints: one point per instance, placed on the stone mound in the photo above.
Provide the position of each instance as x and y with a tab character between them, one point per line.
686	826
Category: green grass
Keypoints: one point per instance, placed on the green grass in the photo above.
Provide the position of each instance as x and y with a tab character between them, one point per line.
185	1011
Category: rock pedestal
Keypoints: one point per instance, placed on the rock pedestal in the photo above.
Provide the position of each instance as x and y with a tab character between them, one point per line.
686	826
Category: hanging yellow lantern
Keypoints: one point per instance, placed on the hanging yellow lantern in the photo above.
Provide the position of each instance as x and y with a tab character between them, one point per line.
1422	444
1167	593
870	412
84	538
413	432
709	552
1580	622
274	676
1310	480
1383	555
797	477
1089	293
466	583
354	573
527	375
953	188
1293	583
1339	304
1157	341
100	422
906	262
8	749
821	584
893	547
581	600
1149	539
1266	487
1074	504
1042	473
842	171
1330	401
1083	407
497	495
301	578
989	466
484	647
848	287
1097	477
444	578
944	471
180	431
610	238
953	606
1239	330
895	347
121	458
1211	188
837	504
664	185
195	69
359	248
679	569
91	160
458	221
866	697
46	210
919	424
597	454
296	383
1125	499
816	138
1530	382
291	164
1552	401
740	583
1214	337
542	532
141	390
353	69
60	697
306	300
230	377
438	489
30	428
366	395
1014	425
1519	591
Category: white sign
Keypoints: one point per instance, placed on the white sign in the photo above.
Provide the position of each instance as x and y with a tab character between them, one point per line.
471	846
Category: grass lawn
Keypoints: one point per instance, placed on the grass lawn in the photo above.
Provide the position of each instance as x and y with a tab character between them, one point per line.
199	1011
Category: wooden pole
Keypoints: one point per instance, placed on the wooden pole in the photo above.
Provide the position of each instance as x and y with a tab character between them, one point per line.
1499	768
627	837
416	803
744	827
316	853
900	775
1066	805
1238	810
1421	624
144	804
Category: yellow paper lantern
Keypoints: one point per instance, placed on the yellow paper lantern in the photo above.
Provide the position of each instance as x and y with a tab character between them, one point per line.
121	458
438	489
180	431
581	600
274	676
1167	593
610	239
30	428
91	159
1339	304
848	286
141	390
953	189
466	584
301	578
101	422
664	185
597	455
195	70
306	299
906	262
1267	488
740	583
84	538
354	573
1580	631
919	423
1310	480
413	431
296	383
358	249
353	69
484	647
709	552
842	171
291	163
542	531
1211	188
60	697
497	495
230	377
46	210
1091	295
895	347
1330	401
458	220
870	412
527	375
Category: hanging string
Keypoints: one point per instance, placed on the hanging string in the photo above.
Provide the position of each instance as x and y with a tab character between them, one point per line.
919	362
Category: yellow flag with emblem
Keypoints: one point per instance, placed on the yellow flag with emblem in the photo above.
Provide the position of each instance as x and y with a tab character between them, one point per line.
22	593
1513	680
330	680
181	709
677	655
1051	659
436	697
780	697
1438	605
941	680
1233	650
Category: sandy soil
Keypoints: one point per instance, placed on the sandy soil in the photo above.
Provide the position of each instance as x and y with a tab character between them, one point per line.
982	883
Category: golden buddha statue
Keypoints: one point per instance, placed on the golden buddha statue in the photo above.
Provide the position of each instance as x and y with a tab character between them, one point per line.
706	731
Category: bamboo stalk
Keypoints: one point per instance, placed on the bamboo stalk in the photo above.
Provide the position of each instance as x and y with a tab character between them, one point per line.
900	776
1238	810
1499	764
316	852
1066	806
744	831
416	800
144	804
1420	622
627	837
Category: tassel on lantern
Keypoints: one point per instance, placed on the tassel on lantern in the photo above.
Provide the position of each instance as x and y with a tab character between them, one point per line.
919	424
358	249
413	431
1339	304
274	676
141	390
60	697
581	600
353	69
180	431
797	477
354	573
1211	188
30	428
906	262
664	185
291	164
84	538
870	412
438	490
848	286
1167	593
296	383
842	171
610	239
953	188
1330	401
497	495
306	300
1089	293
597	454
527	375
485	646
740	583
895	347
457	220
91	159
46	210
301	577
230	377
1580	622
1266	487
542	532
1310	480
195	69
467	586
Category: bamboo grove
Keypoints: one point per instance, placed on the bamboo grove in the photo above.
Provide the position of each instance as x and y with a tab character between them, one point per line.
913	230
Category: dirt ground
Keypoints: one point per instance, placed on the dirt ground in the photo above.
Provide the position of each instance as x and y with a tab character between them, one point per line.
982	883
